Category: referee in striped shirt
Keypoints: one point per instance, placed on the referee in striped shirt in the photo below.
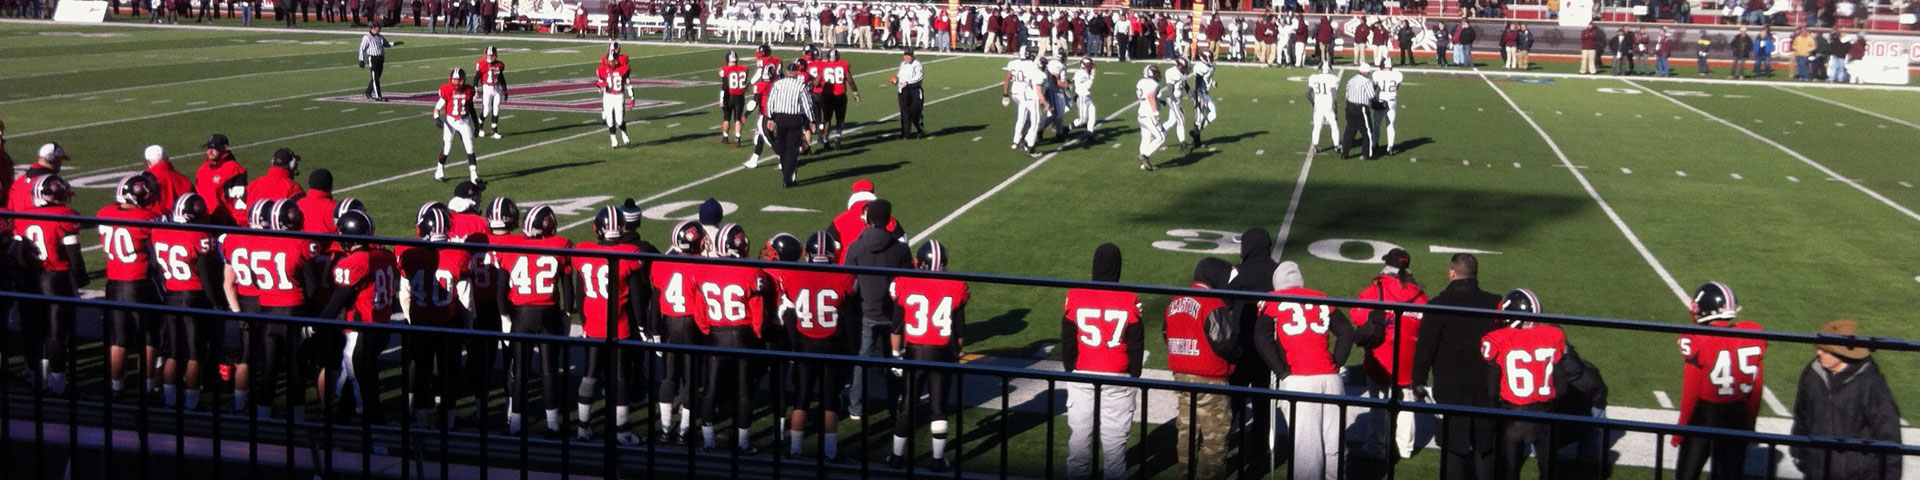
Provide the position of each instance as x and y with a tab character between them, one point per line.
790	105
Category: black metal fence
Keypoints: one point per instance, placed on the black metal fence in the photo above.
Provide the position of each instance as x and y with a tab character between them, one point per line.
1000	426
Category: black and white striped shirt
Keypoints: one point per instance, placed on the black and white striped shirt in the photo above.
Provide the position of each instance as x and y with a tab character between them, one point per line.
789	96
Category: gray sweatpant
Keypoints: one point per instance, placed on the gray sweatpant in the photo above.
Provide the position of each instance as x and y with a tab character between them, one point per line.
1115	417
1316	427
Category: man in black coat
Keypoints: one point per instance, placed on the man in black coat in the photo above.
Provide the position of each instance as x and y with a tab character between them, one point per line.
1843	394
876	247
1253	274
1449	349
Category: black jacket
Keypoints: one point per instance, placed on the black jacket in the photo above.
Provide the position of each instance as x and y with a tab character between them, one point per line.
1253	274
1854	403
1742	46
877	248
1449	346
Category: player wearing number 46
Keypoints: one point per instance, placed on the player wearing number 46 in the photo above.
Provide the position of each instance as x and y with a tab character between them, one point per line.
810	307
1101	334
1309	344
1534	367
1722	383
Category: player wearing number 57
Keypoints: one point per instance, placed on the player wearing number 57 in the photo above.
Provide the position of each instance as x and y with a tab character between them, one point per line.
1101	334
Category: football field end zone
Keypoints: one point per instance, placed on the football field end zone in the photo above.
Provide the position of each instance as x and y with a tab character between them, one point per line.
848	49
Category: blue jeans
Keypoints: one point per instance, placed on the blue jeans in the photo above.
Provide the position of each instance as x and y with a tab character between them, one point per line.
872	344
1837	70
1093	44
666	32
1660	66
246	14
473	22
1461	56
1800	70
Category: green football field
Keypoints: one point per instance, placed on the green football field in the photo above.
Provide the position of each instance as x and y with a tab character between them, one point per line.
1607	196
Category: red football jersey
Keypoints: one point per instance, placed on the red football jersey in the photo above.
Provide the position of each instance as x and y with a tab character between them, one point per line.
1525	358
531	278
814	297
457	99
835	75
211	182
47	238
1301	329
675	285
1187	348
613	80
1103	317
373	278
729	297
1404	326
598	282
467	225
178	251
277	184
485	270
1722	369
126	247
432	275
733	78
172	184
929	306
489	73
276	263
813	73
235	250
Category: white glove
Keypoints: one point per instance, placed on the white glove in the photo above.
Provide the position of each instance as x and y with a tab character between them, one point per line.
1005	100
897	371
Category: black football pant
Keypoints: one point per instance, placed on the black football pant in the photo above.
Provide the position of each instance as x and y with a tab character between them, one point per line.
539	320
935	384
730	376
1468	445
269	356
912	100
833	113
376	65
1359	129
48	326
1729	456
790	129
480	355
129	329
611	365
433	371
819	381
676	376
1518	437
186	337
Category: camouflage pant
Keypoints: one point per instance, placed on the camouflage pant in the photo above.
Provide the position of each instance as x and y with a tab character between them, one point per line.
1210	414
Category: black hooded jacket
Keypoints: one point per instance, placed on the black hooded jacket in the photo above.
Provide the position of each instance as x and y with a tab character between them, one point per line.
877	248
1253	274
1448	346
1851	403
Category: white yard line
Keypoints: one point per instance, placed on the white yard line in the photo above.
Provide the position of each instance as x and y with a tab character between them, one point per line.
976	201
190	62
1848	107
198	154
1293	207
1645	254
1783	148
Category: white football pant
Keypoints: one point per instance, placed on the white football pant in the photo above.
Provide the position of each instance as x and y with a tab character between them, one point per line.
460	126
1151	136
1115	416
490	100
1087	117
1316	427
1026	121
1323	116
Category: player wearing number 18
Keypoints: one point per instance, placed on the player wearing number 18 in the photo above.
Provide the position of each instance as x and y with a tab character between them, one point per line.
730	311
1533	366
810	304
1310	342
436	290
1101	334
534	289
54	253
609	291
128	250
1723	380
933	324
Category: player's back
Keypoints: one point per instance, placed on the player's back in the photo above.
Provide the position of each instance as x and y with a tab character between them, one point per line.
178	252
1102	317
815	297
126	247
599	282
729	296
1526	358
373	275
1323	86
276	264
929	308
532	277
1733	366
1388	83
1302	329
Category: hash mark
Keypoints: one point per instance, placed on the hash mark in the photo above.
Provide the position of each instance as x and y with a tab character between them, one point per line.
1116	144
549	119
1665	402
348	110
1738	177
270	107
123	100
1793	179
1260	152
1466	163
1905	184
1759	121
976	139
1883	126
715	127
160	101
1838	124
1637	116
1516	164
1626	171
309	108
91	98
1598	114
671	125
1680	173
385	112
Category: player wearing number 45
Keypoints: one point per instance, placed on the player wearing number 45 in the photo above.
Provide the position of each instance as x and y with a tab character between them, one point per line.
1722	383
1535	367
1299	354
1101	334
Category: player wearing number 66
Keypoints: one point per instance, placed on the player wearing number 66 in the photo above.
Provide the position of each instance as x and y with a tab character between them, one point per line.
1722	386
1101	334
1535	367
1298	352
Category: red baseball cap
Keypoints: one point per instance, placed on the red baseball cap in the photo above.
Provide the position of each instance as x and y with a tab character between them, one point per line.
862	185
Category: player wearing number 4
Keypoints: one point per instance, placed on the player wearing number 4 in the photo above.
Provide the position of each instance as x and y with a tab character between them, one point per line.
1722	383
1103	336
810	305
1534	366
934	318
1310	342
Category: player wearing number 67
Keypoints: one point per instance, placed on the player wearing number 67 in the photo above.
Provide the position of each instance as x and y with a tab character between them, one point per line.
1101	334
1299	354
933	324
1534	366
1721	383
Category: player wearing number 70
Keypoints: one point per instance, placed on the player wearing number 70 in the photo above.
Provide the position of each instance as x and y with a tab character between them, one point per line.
128	263
1532	366
932	326
1101	335
1722	383
1299	354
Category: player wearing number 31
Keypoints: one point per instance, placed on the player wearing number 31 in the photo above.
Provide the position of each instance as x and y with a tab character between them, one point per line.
1299	354
1533	366
1722	383
1101	334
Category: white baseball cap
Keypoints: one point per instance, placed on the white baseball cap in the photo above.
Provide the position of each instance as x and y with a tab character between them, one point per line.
52	151
155	152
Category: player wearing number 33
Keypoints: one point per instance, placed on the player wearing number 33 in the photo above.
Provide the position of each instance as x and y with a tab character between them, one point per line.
1102	335
932	326
1532	366
1309	343
1721	383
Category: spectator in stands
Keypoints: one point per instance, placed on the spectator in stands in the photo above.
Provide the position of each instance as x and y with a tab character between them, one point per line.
1405	35
1837	49
1843	394
1323	40
1803	48
1683	11
1448	349
1463	37
1442	44
1742	48
1622	46
1508	35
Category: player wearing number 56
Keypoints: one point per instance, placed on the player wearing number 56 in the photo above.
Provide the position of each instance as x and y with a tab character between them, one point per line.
1293	338
1101	334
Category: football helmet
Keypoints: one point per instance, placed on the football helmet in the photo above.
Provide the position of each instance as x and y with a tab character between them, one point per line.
822	246
1206	56
733	58
1151	72
540	222
457	76
138	189
1086	63
733	241
932	256
189	208
50	190
833	54
608	224
1029	53
1523	301
432	223
287	217
763	51
348	204
1325	67
613	49
812	52
1714	301
503	214
687	238
261	215
354	223
1180	62
783	247
492	53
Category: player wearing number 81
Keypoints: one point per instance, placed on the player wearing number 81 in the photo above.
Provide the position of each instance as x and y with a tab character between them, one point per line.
1299	354
810	304
1101	335
1723	380
933	324
1533	366
602	282
363	290
128	259
730	311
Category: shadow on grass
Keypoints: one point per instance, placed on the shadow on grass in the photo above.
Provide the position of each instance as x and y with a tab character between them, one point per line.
1488	213
850	172
525	172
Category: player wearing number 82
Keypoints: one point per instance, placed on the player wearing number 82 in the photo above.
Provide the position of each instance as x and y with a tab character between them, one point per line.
1299	354
1722	383
1101	334
363	284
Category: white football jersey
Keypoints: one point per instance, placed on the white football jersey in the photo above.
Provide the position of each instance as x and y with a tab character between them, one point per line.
1202	77
1023	76
1146	91
1323	86
1388	84
1083	81
1176	85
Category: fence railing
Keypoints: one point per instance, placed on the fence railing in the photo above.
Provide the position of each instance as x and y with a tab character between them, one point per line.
1001	426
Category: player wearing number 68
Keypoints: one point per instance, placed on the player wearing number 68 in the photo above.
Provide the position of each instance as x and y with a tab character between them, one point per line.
1101	334
1534	367
1722	383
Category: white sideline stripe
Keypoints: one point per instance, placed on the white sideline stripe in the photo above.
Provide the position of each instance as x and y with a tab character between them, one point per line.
1679	293
1293	206
1773	403
214	79
1848	107
1002	186
1661	397
1783	148
198	153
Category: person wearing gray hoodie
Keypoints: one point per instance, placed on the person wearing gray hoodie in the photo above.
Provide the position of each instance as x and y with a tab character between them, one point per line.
1306	345
876	247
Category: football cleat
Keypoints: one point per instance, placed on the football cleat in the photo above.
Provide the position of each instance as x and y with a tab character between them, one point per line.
433	222
1146	164
733	241
540	222
783	247
189	208
687	238
1523	301
608	224
50	190
502	214
932	256
440	172
822	246
138	189
753	161
496	134
1714	301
